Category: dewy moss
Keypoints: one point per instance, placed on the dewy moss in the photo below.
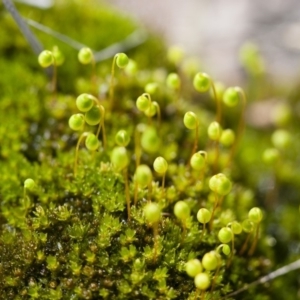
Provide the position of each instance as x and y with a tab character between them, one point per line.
119	205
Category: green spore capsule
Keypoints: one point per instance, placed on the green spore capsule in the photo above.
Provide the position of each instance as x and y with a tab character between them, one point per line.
203	215
225	235
131	68
202	82
93	116
247	225
202	281
220	184
173	81
143	175
160	165
182	210
255	215
198	160
30	185
150	141
85	102
193	267
231	97
152	213
85	56
122	138
143	103
91	142
214	131
226	249
210	261
151	88
236	227
45	59
119	158
151	110
58	56
227	137
122	60
190	120
76	122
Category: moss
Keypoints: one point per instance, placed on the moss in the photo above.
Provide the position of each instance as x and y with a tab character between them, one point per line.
71	236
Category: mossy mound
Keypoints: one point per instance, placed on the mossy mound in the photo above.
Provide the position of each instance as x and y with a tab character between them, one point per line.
80	230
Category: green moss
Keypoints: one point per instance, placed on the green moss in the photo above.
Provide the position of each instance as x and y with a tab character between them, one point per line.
73	236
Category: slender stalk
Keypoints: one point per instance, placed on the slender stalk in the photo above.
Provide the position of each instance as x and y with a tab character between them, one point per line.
111	86
163	184
54	78
149	191
155	234
137	149
135	193
101	124
83	135
158	112
216	275
127	192
99	129
103	133
203	231
218	103
232	251
213	212
241	127
203	295
183	231
195	146
244	247
253	246
217	154
94	77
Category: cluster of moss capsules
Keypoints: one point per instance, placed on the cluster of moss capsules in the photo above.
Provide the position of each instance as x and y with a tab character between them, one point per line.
145	210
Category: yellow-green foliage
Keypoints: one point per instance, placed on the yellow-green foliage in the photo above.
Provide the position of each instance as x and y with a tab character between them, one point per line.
80	235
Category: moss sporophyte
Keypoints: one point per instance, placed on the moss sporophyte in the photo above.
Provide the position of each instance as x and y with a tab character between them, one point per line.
128	187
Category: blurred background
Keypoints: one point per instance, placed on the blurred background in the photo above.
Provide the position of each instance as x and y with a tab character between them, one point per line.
215	30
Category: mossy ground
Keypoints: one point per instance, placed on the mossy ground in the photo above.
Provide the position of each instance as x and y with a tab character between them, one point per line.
71	237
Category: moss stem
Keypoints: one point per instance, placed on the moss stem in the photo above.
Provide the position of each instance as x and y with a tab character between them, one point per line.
218	103
127	192
111	86
240	129
244	247
253	246
213	212
83	135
